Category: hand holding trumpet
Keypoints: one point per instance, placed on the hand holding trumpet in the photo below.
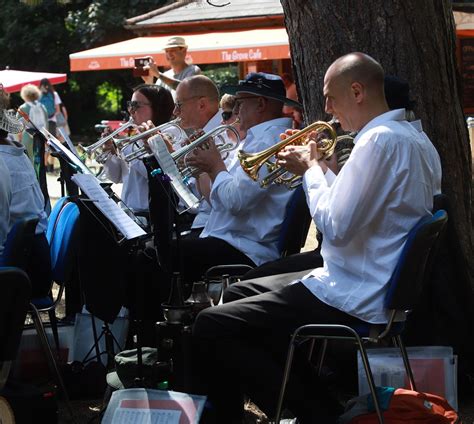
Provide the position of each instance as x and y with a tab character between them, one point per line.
298	159
207	158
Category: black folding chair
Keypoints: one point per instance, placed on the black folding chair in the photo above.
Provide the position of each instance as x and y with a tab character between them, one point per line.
403	293
15	289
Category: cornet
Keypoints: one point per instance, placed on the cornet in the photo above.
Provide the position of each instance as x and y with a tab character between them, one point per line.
218	135
252	162
174	164
97	149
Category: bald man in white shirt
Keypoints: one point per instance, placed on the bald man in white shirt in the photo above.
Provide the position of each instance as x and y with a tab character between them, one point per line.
364	214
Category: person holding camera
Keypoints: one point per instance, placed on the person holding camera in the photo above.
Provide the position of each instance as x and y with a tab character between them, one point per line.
175	51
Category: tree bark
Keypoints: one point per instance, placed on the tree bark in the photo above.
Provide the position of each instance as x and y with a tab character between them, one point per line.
413	40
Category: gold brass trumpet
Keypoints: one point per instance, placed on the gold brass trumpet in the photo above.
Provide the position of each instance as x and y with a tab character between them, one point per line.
252	162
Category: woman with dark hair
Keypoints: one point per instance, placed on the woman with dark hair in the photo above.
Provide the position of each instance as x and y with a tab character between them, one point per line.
150	104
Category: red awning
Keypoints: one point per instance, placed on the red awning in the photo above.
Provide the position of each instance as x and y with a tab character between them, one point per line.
215	47
13	80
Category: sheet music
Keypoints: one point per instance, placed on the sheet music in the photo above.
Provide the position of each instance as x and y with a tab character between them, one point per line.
72	158
90	185
68	140
168	165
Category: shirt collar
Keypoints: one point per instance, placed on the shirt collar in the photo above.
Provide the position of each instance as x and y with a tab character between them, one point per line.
214	122
391	115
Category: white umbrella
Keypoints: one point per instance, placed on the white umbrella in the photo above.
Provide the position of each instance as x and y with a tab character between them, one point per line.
13	80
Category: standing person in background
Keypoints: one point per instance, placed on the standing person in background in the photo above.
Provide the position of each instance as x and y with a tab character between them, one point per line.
51	101
37	113
175	51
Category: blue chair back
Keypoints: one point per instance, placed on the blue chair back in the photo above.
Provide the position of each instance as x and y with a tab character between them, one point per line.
63	242
53	216
19	242
295	226
407	280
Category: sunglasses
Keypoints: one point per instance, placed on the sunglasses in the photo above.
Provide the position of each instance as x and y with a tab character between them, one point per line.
226	115
133	105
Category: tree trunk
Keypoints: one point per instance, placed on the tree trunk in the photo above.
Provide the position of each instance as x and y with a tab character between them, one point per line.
413	40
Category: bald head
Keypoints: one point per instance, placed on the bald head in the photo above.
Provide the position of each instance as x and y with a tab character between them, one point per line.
197	101
200	85
354	90
358	67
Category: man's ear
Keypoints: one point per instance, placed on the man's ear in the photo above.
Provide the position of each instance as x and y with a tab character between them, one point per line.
262	103
358	92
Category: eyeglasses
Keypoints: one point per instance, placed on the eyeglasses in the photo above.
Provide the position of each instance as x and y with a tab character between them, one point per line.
226	115
133	105
179	105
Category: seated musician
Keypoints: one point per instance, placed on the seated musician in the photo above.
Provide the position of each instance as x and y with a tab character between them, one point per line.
25	198
384	189
197	107
149	103
245	219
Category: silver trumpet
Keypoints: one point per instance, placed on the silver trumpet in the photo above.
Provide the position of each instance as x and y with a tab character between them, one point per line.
172	131
218	135
97	148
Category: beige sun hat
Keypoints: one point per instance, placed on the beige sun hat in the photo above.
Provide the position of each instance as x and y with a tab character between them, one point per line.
175	42
8	121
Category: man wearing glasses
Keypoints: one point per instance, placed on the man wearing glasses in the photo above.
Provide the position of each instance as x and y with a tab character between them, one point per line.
197	107
244	223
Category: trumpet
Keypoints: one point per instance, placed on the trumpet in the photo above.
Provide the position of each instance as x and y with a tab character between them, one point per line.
174	164
218	136
252	162
97	148
173	132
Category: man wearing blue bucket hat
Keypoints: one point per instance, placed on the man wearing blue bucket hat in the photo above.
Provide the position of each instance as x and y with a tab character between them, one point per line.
245	220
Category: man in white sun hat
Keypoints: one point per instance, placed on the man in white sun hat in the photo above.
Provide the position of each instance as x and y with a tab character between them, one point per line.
175	51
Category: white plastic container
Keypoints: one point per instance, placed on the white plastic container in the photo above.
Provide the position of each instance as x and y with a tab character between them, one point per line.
434	369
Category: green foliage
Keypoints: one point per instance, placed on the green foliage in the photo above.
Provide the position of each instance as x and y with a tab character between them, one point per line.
39	35
228	74
109	98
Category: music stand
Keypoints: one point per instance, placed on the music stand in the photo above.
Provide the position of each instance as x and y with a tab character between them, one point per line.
120	238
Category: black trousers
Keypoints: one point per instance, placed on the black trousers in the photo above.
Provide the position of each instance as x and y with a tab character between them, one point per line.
193	256
240	348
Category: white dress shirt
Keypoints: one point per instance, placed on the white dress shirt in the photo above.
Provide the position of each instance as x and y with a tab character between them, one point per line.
134	178
243	214
383	190
27	200
204	209
5	199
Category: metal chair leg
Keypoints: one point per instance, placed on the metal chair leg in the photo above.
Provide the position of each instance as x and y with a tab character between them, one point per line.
50	357
322	354
406	362
370	377
286	375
